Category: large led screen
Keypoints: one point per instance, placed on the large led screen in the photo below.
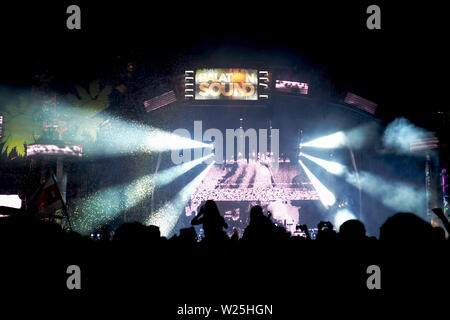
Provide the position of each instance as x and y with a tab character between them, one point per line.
226	84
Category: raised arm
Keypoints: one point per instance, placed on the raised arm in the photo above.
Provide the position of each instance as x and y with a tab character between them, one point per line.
304	228
198	219
440	214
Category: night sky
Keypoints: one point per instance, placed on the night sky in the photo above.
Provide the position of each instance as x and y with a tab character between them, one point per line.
399	67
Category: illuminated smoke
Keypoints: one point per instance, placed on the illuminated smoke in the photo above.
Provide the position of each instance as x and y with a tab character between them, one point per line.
167	217
168	175
396	195
393	194
341	216
362	136
330	166
355	138
331	141
94	211
326	196
400	133
105	135
102	207
284	212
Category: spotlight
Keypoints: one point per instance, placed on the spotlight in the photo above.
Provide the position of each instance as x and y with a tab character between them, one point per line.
330	166
167	217
168	175
106	204
158	140
341	216
334	140
10	200
119	136
326	196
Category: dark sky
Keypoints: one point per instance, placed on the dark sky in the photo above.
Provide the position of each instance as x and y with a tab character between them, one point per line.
398	66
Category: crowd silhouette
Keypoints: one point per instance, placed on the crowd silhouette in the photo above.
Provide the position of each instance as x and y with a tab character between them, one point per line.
265	259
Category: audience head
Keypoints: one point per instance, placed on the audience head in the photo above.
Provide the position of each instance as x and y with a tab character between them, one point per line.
352	230
256	214
325	231
439	233
405	226
132	233
210	208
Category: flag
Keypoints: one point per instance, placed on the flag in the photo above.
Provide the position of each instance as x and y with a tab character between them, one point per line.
160	101
361	103
47	199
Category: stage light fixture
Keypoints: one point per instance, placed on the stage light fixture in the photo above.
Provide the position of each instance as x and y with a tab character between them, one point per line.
263	81
10	200
189	77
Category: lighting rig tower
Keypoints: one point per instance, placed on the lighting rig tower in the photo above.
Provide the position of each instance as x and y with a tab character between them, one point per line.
299	143
241	136
426	147
445	190
269	146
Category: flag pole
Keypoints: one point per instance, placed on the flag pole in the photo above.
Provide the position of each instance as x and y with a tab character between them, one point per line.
66	213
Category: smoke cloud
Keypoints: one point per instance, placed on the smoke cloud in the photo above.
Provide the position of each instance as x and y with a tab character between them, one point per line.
393	194
400	133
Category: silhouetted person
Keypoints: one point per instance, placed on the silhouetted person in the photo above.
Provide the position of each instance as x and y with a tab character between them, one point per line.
304	229
260	227
405	226
131	233
188	236
325	231
135	236
235	235
439	233
212	221
153	233
352	230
